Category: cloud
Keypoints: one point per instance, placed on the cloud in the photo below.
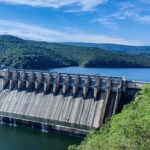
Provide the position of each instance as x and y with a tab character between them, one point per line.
84	5
32	32
147	2
138	12
143	19
135	11
106	22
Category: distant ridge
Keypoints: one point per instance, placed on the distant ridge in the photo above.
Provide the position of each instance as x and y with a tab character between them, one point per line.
129	49
19	53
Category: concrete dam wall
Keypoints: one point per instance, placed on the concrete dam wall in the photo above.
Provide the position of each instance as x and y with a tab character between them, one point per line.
69	103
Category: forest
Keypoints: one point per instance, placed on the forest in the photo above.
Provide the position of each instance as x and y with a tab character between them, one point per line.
26	54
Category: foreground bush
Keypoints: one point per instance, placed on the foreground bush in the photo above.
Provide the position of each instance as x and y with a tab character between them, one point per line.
129	130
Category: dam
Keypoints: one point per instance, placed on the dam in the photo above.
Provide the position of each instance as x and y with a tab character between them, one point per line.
67	103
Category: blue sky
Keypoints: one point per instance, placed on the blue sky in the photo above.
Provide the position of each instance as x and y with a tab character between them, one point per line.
95	21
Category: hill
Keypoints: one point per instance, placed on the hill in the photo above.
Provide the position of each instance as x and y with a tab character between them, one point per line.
116	47
27	54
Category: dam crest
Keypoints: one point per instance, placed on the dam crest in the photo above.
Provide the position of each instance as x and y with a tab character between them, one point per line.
69	103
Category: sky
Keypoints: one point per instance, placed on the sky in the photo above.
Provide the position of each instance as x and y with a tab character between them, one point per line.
93	21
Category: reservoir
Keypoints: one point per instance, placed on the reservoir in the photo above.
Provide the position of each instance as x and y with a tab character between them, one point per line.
137	74
18	138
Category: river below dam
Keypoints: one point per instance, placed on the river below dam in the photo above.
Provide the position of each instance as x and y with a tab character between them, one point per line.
18	138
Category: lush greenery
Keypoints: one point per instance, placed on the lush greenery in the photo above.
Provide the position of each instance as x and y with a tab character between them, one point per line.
129	130
140	50
27	54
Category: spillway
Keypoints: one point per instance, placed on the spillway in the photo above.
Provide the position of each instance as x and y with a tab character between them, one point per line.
68	103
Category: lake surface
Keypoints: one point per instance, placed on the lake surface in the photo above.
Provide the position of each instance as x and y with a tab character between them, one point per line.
19	138
138	74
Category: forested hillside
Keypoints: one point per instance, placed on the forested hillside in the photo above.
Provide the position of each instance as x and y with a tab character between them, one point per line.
27	54
136	50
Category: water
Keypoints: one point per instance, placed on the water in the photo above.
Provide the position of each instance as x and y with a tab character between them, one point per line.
138	74
18	138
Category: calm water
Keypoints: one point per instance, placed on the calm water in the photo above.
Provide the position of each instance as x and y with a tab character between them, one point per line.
18	138
130	74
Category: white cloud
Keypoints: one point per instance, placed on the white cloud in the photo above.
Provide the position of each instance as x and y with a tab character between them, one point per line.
147	2
143	19
134	11
32	32
85	5
106	22
137	12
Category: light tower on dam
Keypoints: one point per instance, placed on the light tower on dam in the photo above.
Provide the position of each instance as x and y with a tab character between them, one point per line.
69	103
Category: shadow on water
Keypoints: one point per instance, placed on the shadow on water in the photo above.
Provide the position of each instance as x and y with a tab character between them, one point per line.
18	138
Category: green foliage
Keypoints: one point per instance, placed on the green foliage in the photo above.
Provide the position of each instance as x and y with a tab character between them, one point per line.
26	54
129	130
140	50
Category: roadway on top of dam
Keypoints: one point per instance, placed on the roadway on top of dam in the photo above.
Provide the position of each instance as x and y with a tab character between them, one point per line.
130	83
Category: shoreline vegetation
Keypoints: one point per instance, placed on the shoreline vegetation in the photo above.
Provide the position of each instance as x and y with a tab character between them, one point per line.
26	54
128	130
